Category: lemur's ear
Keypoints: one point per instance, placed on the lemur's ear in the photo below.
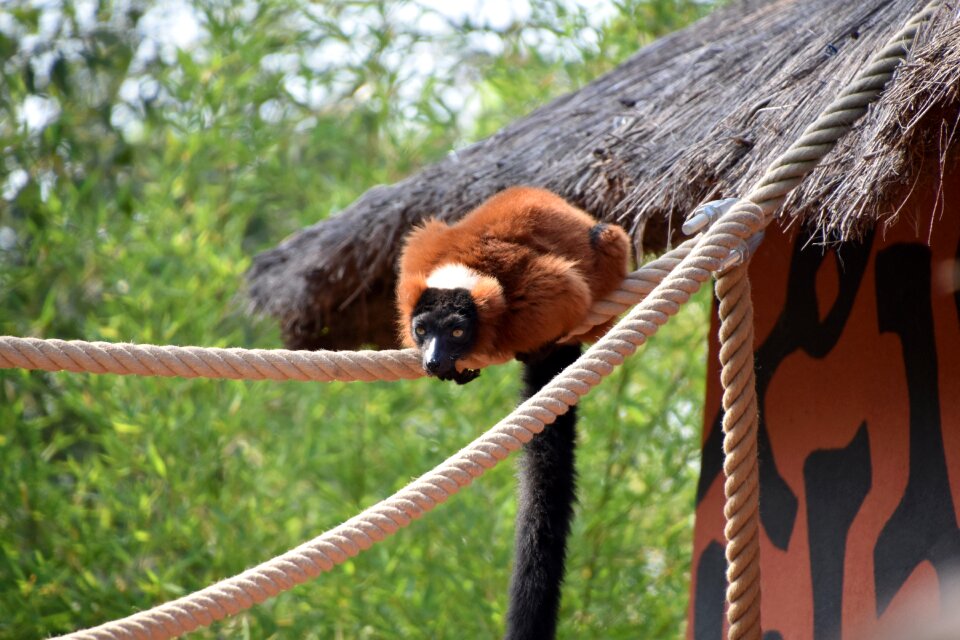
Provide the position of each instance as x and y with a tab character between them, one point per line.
409	290
487	294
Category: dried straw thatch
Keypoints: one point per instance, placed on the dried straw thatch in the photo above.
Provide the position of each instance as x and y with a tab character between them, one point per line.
694	116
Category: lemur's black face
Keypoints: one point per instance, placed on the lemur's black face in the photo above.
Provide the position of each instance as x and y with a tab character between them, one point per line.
444	325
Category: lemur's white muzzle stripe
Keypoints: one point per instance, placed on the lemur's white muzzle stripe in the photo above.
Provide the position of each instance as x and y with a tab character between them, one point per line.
429	351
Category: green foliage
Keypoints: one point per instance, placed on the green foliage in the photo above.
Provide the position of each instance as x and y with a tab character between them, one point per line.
138	178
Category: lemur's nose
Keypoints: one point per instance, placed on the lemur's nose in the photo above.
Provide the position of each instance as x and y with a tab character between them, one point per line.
432	365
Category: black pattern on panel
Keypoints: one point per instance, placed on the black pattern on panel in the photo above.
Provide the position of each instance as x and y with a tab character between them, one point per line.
836	481
923	527
711	594
797	328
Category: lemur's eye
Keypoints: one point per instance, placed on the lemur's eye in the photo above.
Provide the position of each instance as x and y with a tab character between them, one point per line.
420	331
457	333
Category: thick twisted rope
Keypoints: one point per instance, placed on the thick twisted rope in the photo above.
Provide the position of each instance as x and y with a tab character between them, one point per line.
79	356
634	288
788	170
740	424
204	362
381	520
740	421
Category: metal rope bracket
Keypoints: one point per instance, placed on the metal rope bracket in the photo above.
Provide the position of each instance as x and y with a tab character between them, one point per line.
706	215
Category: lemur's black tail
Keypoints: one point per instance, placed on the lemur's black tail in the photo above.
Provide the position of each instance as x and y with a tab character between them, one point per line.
545	509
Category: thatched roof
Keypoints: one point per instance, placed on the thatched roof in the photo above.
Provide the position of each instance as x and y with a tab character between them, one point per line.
694	116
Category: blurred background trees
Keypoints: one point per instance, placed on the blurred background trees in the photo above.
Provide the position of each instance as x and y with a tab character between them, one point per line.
149	150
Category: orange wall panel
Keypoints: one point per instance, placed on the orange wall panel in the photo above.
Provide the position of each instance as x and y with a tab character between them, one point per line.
858	373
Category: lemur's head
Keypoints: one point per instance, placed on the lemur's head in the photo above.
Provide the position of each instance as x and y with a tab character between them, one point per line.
449	314
444	328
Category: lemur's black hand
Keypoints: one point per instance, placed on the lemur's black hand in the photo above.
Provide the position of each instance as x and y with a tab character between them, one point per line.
462	377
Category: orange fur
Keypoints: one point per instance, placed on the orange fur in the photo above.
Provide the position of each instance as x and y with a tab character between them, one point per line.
540	271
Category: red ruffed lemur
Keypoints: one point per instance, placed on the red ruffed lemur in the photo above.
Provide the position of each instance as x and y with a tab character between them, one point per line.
511	279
